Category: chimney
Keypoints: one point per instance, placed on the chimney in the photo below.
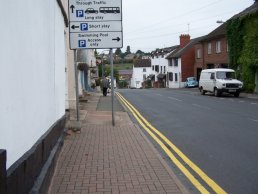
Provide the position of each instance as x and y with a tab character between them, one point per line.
184	39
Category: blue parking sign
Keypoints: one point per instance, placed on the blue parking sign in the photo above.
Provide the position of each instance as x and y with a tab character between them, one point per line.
82	43
84	27
79	13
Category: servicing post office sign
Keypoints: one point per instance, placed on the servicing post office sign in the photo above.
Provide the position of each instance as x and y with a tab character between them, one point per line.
95	24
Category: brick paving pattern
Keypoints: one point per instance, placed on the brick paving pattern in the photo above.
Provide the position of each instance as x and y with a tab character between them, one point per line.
106	159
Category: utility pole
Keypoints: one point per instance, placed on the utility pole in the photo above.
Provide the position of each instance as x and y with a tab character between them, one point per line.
76	86
112	85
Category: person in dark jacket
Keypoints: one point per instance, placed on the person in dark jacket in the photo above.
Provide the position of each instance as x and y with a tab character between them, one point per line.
105	85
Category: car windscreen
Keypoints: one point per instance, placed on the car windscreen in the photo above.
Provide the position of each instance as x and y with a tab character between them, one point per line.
191	78
225	75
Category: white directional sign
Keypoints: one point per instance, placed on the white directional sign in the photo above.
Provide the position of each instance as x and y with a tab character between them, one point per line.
95	24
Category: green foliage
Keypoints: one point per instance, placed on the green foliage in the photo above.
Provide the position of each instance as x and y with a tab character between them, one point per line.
118	52
235	41
242	38
139	52
122	66
147	83
107	71
93	85
98	81
249	54
122	84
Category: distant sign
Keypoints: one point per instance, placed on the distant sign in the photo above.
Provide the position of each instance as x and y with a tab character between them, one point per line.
95	24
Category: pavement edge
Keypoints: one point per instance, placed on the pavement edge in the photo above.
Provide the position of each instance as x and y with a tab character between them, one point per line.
163	162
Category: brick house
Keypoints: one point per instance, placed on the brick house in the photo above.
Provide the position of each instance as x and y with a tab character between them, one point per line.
211	51
181	62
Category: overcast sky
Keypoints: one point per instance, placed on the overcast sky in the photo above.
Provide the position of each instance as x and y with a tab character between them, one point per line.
148	24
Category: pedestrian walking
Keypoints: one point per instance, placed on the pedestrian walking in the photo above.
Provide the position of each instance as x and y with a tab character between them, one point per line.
105	86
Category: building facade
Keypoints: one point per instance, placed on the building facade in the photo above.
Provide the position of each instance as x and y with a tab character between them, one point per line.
159	65
32	81
181	62
141	70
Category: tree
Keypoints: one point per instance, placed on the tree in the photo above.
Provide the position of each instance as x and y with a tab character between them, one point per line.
107	71
139	52
118	52
128	50
96	53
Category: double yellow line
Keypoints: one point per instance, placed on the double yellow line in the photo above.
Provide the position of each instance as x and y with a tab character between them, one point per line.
159	137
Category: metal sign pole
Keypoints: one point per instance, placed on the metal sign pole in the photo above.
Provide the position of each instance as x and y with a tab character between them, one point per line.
102	67
76	85
112	85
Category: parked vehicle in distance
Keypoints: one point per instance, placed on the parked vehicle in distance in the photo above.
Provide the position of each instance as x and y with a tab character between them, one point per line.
91	10
219	81
191	82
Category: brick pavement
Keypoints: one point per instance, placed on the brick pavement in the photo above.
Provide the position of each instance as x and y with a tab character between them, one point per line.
106	159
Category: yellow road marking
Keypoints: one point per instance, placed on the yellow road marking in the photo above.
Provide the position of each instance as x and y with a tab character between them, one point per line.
208	180
193	180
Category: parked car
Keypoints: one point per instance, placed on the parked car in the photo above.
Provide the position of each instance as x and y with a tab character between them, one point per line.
191	82
219	81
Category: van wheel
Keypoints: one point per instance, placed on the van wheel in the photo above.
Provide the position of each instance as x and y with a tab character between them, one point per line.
236	94
216	92
202	91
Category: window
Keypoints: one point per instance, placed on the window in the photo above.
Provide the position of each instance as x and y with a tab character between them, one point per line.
144	77
212	76
164	69
144	69
160	69
225	75
176	77
198	54
209	48
218	47
156	68
169	62
170	76
152	67
176	62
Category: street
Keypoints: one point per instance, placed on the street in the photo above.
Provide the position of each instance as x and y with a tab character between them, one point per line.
219	135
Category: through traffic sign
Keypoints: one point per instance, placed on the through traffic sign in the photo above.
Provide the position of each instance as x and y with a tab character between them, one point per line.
95	24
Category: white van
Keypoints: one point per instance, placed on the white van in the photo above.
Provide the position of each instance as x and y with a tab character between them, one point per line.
218	81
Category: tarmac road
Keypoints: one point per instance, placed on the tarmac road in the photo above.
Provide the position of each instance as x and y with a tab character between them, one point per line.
220	135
